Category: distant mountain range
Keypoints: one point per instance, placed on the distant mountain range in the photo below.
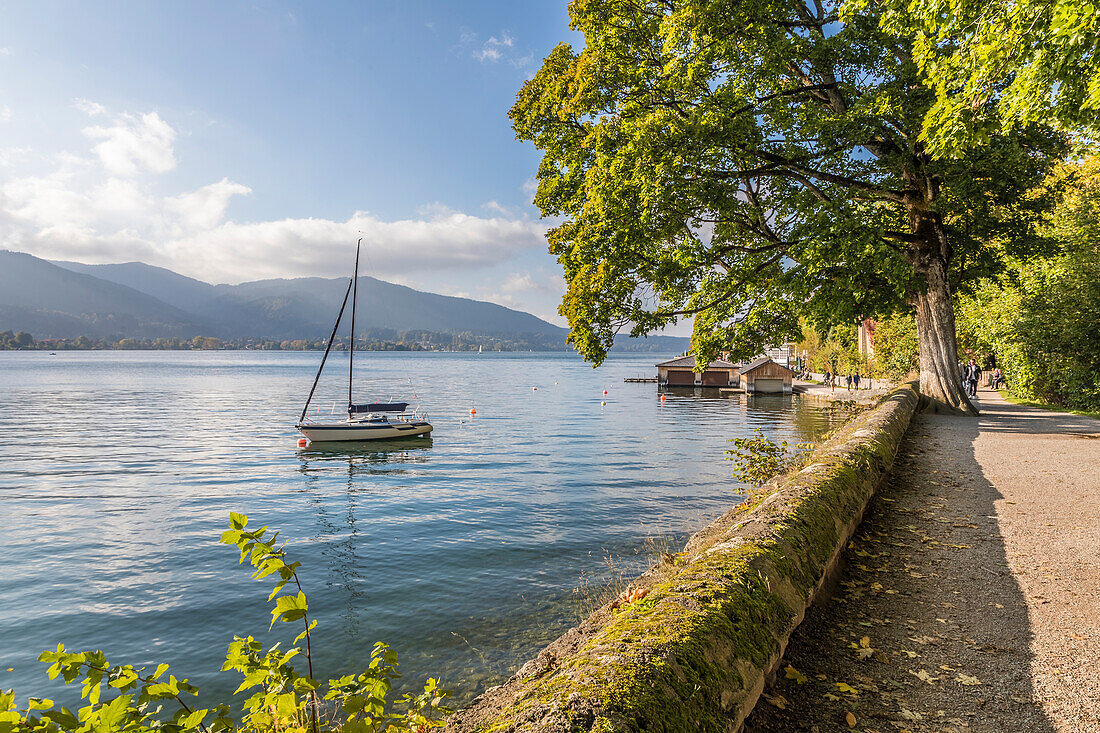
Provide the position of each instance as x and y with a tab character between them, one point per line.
70	299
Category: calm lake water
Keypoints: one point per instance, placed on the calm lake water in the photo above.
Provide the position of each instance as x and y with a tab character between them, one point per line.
467	552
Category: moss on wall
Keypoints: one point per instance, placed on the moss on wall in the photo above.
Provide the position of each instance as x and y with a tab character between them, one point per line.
693	654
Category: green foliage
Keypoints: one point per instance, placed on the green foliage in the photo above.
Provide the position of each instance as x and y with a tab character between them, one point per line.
760	458
1043	323
837	352
279	698
995	64
896	349
20	340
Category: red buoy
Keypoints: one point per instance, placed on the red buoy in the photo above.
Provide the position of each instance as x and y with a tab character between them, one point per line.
302	442
473	411
605	391
662	398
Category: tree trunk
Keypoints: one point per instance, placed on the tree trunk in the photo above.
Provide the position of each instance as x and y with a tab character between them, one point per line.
941	385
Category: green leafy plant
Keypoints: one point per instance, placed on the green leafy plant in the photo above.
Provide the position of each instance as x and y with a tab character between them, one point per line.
760	458
280	699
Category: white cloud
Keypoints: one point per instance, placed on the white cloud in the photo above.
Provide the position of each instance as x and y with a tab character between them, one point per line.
5	114
135	143
90	108
494	48
498	208
11	156
522	289
519	283
206	207
4	51
105	206
497	48
297	247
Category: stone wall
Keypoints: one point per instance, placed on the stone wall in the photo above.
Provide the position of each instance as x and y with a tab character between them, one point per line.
692	649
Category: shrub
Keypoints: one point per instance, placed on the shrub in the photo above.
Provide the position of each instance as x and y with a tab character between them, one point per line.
279	697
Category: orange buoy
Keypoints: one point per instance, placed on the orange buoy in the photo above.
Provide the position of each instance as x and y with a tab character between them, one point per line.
302	442
473	411
662	398
534	389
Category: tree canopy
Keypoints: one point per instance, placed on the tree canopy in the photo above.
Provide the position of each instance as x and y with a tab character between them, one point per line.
995	64
744	163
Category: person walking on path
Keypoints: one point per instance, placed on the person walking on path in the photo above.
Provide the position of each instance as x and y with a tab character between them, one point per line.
996	379
855	379
972	374
848	380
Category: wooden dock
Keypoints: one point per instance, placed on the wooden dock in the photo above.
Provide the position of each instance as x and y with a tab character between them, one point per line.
640	380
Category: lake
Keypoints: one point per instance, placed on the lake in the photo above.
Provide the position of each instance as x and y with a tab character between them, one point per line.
466	552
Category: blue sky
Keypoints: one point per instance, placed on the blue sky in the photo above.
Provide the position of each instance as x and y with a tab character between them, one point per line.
237	140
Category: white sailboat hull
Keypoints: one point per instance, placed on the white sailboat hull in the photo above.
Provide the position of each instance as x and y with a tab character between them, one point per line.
353	431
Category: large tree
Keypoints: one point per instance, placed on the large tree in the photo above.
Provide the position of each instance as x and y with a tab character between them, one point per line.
745	162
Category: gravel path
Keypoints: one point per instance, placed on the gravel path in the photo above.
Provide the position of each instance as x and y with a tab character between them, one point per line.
970	598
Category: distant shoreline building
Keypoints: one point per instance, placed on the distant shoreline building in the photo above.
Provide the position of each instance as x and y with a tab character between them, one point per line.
767	375
680	372
762	375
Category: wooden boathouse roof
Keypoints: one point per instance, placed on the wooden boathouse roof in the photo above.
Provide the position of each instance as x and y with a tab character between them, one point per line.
689	362
761	362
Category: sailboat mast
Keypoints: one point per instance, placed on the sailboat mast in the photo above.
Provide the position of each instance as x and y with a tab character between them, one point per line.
354	294
328	347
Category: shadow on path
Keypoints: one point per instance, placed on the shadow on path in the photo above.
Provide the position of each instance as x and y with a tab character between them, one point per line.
1005	417
926	629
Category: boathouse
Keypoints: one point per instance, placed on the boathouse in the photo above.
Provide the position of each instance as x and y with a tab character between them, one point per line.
680	372
765	375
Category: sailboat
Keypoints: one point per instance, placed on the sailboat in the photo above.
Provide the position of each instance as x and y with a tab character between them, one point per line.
370	421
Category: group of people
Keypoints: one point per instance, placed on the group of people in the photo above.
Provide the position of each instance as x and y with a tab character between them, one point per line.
852	380
972	373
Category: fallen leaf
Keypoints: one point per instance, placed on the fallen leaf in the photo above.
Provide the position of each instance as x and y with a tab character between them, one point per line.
910	715
923	676
967	679
830	696
846	688
794	674
851	720
778	700
911	655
